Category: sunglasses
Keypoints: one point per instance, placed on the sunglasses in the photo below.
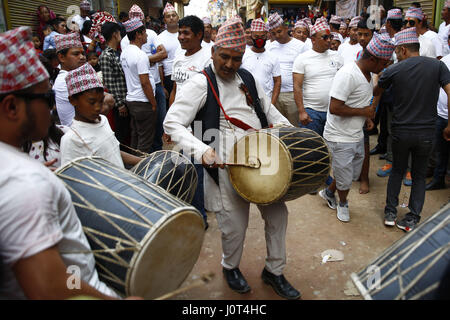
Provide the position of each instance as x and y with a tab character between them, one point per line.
412	23
49	97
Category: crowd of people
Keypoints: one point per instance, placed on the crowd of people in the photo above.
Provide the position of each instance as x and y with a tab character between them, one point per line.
122	89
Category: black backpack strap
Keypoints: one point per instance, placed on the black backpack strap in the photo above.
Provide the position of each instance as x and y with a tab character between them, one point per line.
249	81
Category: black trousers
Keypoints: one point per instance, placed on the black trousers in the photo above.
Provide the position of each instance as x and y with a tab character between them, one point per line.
418	144
143	125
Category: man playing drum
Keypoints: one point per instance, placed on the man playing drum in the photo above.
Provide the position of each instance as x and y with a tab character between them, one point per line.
40	234
241	100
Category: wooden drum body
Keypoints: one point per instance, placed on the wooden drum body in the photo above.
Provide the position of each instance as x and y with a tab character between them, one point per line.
170	170
289	162
145	240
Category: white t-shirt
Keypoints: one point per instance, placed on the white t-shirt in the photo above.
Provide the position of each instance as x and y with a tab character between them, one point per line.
207	45
443	34
426	47
308	44
349	51
152	44
351	86
264	67
286	54
319	70
434	38
36	213
66	111
171	43
134	63
91	139
184	67
442	108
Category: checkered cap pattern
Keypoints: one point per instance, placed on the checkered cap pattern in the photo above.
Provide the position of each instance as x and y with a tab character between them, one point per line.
20	66
343	25
406	36
319	26
321	19
132	25
394	14
168	8
301	24
414	13
308	21
231	36
258	25
85	5
275	21
384	31
136	13
354	22
335	19
381	46
98	19
82	79
67	41
206	20
336	36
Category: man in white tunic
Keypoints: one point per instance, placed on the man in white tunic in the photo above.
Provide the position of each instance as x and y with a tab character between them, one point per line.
194	103
444	28
414	17
349	50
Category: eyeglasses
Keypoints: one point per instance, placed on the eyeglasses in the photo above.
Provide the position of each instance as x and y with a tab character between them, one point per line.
327	37
412	23
49	97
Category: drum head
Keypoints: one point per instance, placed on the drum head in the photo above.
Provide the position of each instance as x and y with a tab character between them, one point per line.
166	259
268	183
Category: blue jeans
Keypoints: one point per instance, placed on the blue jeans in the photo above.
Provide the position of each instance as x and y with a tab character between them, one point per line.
161	109
442	150
318	121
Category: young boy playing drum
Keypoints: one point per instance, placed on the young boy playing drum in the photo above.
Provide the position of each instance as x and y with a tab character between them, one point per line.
90	133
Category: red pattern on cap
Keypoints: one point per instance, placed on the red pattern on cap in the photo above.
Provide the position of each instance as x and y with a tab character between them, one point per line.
67	41
168	8
319	26
82	79
136	13
258	25
231	36
20	66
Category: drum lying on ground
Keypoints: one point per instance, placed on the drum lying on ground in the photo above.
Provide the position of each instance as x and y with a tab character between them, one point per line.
170	170
145	241
411	268
292	162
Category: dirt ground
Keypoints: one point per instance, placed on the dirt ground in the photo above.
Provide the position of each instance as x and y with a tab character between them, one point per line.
312	228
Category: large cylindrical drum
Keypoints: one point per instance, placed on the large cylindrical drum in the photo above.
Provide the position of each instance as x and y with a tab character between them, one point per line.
413	267
170	170
145	240
278	164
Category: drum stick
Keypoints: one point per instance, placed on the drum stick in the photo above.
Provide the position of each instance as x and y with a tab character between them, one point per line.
243	165
204	279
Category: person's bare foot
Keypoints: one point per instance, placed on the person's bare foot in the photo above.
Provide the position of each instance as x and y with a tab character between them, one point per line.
364	187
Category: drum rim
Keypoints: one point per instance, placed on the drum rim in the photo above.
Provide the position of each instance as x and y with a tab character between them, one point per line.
67	165
291	169
145	241
357	279
161	151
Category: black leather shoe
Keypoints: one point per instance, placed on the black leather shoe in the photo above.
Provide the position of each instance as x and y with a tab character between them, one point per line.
281	286
377	150
436	185
236	280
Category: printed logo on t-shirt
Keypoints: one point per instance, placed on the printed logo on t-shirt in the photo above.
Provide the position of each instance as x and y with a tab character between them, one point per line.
180	75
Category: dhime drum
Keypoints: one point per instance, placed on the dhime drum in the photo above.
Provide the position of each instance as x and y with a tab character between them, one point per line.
278	164
412	268
145	240
170	170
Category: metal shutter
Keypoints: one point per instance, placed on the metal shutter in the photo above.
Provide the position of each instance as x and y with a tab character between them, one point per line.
428	6
23	13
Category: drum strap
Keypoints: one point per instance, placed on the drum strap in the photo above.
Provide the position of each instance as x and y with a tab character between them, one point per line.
238	123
